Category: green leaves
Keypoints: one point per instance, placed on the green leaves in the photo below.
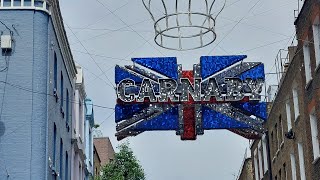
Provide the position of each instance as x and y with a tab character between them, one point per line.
125	166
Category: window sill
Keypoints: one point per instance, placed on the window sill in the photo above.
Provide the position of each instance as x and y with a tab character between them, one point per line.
316	160
309	83
317	68
297	119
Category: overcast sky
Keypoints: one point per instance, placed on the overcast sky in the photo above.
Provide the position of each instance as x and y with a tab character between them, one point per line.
251	27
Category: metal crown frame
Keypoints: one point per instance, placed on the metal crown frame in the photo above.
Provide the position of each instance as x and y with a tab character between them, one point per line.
175	29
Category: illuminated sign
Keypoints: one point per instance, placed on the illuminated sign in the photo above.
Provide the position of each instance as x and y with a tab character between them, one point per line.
221	92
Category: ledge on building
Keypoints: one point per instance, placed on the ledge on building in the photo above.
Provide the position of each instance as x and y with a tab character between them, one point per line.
41	5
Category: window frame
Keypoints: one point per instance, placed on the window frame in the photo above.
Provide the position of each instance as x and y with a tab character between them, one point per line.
67	105
288	114
314	135
316	41
296	106
293	167
256	168
54	144
265	155
302	166
61	89
307	61
55	71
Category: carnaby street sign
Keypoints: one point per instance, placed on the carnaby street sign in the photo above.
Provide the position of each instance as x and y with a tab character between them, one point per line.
222	92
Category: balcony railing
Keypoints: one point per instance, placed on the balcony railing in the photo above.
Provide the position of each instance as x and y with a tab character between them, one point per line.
42	5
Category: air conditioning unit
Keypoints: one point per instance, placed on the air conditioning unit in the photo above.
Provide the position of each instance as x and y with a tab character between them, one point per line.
6	42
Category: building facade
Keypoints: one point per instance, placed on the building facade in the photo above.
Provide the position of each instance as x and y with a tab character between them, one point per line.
78	137
290	148
246	170
96	162
104	150
44	114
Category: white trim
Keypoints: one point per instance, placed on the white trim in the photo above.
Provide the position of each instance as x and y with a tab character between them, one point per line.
307	63
288	112
22	6
265	155
256	170
316	40
314	136
296	103
293	167
301	162
260	160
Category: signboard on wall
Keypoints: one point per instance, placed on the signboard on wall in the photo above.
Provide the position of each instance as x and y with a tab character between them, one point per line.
221	92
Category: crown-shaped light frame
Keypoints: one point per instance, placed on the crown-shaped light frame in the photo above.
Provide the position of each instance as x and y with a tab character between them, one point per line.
180	25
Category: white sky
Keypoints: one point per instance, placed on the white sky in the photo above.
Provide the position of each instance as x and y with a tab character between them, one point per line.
217	155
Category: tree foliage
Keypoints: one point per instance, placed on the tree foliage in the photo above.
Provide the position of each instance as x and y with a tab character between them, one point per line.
125	166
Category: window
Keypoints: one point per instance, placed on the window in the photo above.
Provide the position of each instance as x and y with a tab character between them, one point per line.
38	3
316	41
301	162
285	172
280	175
256	171
295	103
281	130
81	121
90	147
61	158
67	107
315	137
54	143
260	160
265	155
293	167
17	3
61	91
306	55
80	171
55	71
277	137
66	169
288	111
6	3
272	142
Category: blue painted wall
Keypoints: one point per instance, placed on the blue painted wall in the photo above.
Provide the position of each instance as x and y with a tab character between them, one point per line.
27	113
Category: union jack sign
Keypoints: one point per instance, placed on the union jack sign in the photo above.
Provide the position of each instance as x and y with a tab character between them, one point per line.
221	92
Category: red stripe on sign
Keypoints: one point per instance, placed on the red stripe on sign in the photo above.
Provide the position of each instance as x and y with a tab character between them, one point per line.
189	120
189	130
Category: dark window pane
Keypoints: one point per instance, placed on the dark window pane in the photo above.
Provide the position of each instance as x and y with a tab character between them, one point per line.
6	3
27	2
38	3
17	3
